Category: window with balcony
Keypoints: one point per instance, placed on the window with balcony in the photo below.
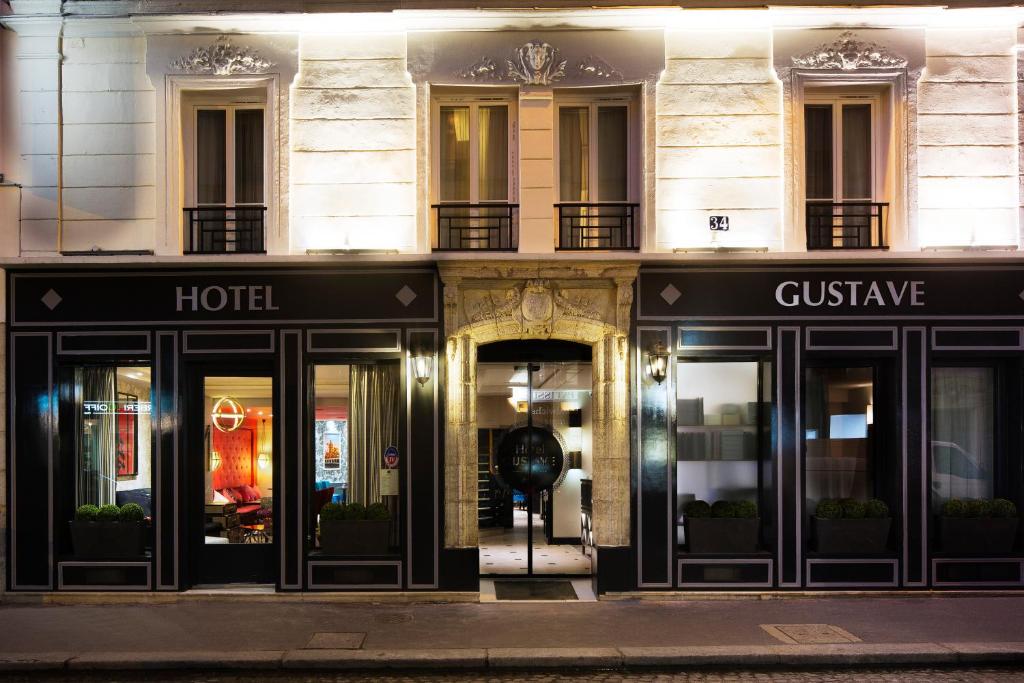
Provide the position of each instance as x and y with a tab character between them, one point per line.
844	159
225	159
473	187
596	177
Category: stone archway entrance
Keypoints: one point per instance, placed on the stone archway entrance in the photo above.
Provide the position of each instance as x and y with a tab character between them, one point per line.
585	302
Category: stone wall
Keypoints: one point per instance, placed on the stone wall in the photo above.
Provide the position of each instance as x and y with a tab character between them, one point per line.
967	157
353	144
718	139
109	138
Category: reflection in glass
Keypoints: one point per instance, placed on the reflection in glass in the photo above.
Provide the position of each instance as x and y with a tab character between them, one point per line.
239	429
719	419
962	429
838	423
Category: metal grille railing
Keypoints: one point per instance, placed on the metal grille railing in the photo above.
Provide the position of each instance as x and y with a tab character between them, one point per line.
599	225
225	230
477	227
846	225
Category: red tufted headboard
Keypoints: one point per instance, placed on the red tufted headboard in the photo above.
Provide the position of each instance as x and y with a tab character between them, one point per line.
237	456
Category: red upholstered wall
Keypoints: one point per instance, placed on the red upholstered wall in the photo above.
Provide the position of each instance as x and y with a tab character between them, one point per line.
237	456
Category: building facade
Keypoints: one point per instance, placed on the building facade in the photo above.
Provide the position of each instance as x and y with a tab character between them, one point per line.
754	271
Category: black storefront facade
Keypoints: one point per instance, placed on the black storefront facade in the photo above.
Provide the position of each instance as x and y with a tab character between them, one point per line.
174	332
900	384
833	383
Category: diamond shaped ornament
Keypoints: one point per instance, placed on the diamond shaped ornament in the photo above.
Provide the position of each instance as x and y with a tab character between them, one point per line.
405	295
670	294
51	299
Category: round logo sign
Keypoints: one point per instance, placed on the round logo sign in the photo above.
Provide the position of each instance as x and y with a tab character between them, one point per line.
530	459
391	457
227	414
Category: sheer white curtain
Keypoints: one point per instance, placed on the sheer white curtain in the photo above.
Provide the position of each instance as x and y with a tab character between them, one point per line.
963	424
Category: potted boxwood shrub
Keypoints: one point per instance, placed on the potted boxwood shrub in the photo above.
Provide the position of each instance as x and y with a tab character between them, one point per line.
108	532
851	527
727	527
978	526
353	529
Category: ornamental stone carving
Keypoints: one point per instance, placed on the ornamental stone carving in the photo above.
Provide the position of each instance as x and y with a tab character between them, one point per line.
536	63
222	59
595	67
847	53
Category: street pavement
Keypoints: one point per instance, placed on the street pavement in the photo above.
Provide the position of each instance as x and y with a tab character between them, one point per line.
764	635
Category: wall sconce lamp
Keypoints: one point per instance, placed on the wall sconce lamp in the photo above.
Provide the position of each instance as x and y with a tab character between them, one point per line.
870	416
422	366
657	362
214	460
263	461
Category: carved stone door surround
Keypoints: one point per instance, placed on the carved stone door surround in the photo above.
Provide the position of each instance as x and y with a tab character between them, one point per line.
583	301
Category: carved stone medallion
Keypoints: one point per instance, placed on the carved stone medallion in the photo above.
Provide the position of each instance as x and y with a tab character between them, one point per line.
538	305
848	53
221	59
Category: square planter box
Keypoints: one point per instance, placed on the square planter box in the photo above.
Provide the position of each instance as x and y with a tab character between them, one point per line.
354	536
108	540
851	536
722	535
978	536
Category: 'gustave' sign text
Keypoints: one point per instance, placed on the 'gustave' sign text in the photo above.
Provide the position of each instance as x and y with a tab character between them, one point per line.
856	293
232	297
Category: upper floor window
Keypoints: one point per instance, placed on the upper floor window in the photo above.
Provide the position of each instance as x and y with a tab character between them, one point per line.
596	173
844	155
225	172
473	186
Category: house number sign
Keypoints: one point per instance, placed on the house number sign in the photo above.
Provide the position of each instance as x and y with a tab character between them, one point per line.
719	223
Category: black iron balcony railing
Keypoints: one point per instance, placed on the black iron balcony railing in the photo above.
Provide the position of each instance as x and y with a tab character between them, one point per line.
600	225
477	227
225	230
846	225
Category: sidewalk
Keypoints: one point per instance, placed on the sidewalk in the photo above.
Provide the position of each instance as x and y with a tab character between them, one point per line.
239	633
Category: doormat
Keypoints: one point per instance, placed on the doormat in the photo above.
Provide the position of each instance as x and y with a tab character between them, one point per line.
534	590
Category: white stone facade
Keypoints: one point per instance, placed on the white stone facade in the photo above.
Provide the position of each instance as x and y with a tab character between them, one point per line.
91	129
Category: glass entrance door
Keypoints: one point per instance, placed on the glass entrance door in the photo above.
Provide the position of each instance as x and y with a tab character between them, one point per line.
231	461
533	467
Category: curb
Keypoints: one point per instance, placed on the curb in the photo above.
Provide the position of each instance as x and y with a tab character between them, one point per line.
739	656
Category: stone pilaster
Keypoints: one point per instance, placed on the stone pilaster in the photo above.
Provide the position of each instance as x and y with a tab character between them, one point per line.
460	473
611	441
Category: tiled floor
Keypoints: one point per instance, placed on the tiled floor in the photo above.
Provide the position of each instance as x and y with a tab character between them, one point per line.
503	551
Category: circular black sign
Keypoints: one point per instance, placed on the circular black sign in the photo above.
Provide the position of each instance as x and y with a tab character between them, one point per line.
530	459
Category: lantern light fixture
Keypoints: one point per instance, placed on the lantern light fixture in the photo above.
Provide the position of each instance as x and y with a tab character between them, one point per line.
657	362
422	366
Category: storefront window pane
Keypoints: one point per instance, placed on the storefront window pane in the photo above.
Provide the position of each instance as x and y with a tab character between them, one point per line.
718	433
962	428
355	499
114	445
240	460
838	431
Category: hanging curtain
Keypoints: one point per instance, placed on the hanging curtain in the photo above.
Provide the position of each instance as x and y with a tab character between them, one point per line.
97	438
454	154
372	427
493	154
574	154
